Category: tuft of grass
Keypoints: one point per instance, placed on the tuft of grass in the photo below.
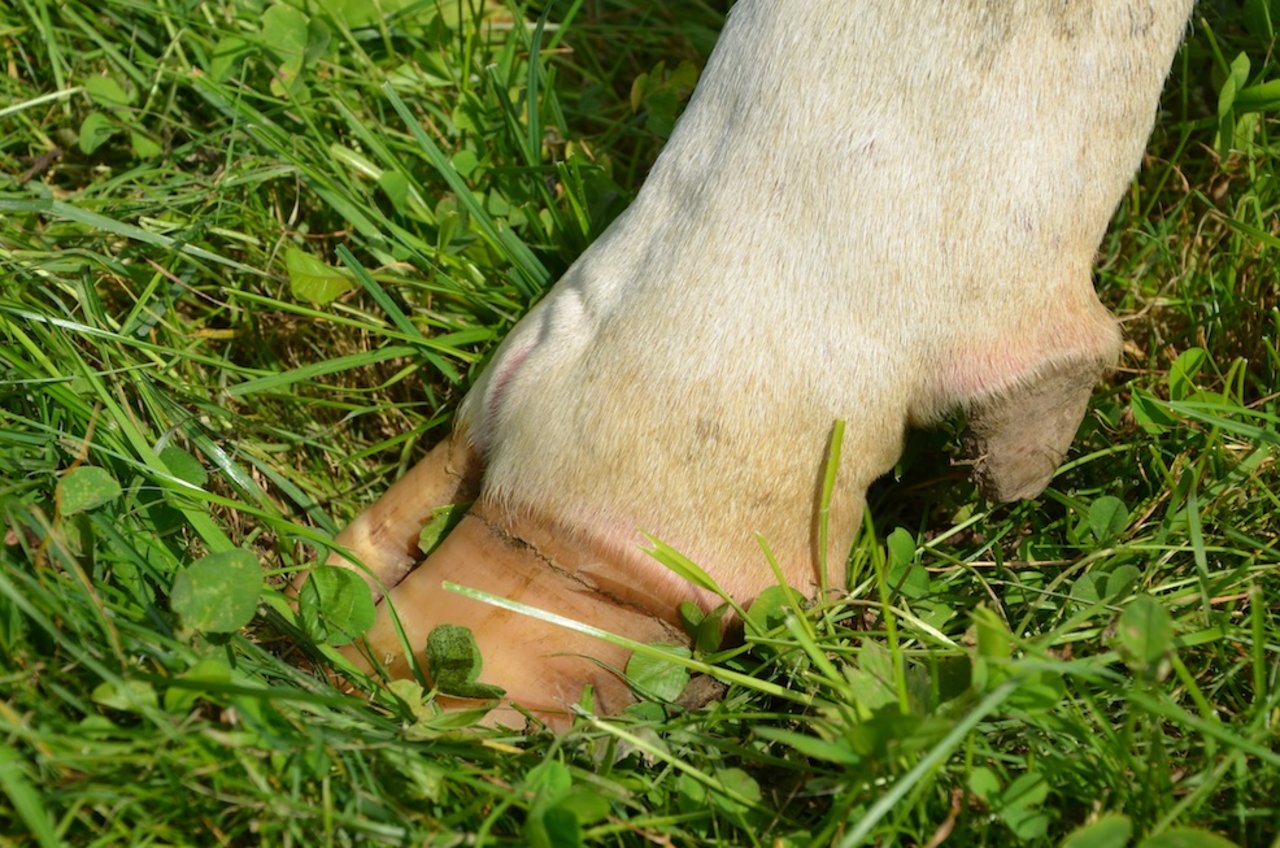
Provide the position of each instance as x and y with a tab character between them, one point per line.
252	254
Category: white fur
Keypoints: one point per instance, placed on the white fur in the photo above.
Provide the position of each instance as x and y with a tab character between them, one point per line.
873	211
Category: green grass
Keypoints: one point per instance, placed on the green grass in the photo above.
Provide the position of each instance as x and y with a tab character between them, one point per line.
999	676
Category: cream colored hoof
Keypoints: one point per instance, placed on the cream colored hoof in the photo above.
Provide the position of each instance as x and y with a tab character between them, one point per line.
384	538
543	667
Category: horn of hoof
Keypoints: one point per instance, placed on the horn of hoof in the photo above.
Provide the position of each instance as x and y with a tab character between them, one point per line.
541	666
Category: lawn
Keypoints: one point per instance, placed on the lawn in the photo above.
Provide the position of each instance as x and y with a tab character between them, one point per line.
253	254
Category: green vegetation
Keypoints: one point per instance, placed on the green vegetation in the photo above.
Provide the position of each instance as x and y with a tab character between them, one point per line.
251	256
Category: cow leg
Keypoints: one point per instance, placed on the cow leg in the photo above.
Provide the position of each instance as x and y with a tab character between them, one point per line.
813	244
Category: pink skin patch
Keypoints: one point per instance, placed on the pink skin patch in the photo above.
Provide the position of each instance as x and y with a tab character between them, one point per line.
983	369
502	379
611	561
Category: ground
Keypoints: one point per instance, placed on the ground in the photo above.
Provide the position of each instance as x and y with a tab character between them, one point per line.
253	254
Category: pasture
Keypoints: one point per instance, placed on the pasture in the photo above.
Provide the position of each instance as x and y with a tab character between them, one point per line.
252	255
